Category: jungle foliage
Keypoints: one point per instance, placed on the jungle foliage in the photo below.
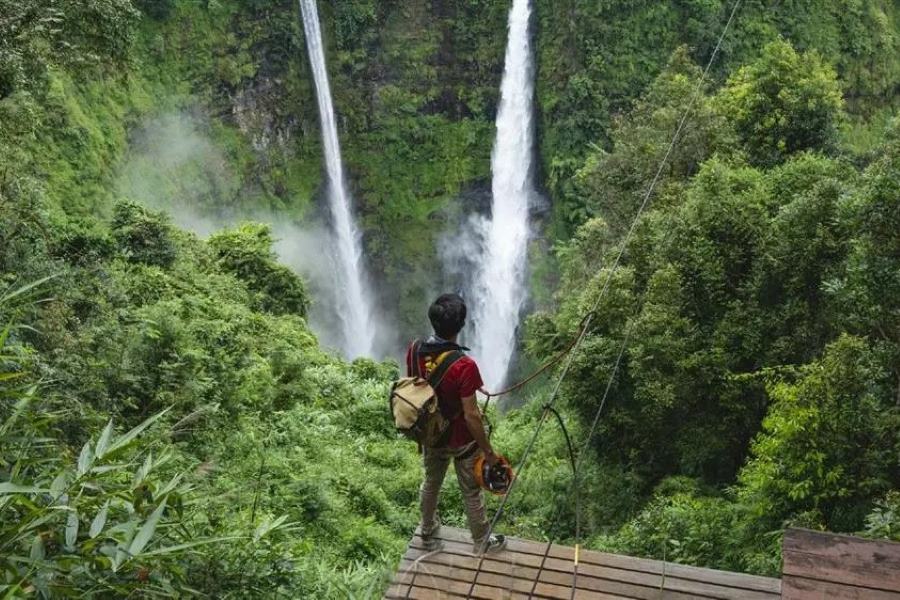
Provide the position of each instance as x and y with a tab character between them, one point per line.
170	425
741	296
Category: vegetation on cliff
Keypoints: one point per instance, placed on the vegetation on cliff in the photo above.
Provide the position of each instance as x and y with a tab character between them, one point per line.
760	387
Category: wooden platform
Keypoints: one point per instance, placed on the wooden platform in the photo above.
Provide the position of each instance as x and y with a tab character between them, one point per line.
523	567
829	565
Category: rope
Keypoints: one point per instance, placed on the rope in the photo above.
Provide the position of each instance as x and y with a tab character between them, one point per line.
553	361
565	431
414	567
550	363
569	352
540	570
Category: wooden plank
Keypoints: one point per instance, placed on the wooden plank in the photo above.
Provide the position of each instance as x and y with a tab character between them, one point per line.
456	588
711	576
417	593
429	572
426	593
436	576
522	578
800	588
457	555
768	585
842	559
690	587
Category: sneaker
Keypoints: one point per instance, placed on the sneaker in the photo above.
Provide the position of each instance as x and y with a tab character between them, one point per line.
495	543
431	541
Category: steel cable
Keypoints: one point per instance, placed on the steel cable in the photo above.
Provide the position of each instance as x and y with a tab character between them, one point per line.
570	352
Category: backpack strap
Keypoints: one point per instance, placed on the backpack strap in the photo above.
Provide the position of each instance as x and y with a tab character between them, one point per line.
414	358
444	362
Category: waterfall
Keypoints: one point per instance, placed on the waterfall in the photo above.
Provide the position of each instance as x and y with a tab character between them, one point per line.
352	300
499	290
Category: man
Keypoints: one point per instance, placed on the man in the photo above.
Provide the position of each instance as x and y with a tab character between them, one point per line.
467	438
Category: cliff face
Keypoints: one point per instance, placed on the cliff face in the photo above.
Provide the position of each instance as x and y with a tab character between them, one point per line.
415	86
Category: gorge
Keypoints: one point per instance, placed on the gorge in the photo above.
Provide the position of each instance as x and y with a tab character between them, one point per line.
174	422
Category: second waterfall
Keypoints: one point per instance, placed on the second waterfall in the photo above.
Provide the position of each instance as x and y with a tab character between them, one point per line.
352	300
499	290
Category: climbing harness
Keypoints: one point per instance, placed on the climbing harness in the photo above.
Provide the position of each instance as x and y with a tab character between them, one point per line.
548	406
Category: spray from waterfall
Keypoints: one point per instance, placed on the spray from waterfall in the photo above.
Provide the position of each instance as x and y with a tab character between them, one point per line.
352	301
499	290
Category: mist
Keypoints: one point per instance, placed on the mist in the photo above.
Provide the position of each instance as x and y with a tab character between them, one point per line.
173	166
461	247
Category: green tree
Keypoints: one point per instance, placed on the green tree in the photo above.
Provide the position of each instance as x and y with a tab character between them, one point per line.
783	103
807	242
867	293
829	443
143	236
612	184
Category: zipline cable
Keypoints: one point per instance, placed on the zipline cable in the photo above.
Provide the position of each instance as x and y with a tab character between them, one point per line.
630	328
590	316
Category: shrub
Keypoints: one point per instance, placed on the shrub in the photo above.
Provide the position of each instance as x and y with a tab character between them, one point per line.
143	236
827	442
682	525
884	520
246	252
107	518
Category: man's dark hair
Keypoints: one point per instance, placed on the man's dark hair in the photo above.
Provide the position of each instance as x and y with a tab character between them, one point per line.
447	315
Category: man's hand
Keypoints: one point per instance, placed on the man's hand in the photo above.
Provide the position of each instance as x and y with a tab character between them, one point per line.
491	459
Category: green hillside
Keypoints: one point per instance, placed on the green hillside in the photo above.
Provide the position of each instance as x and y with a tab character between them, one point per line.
153	154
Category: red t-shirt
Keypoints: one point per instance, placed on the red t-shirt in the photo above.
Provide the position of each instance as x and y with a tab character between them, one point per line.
461	380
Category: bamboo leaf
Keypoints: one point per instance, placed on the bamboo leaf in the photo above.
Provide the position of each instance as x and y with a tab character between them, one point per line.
179	547
37	548
143	470
267	527
147	530
121	553
99	521
8	487
171	485
59	485
126	439
34	524
103	442
108	468
71	530
85	459
17	411
25	288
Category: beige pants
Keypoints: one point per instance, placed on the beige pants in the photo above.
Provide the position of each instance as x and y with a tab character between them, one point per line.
436	461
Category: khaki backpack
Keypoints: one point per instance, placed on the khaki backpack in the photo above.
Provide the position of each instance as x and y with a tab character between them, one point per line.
414	401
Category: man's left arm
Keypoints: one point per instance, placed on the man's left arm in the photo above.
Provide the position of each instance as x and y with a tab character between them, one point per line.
476	427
